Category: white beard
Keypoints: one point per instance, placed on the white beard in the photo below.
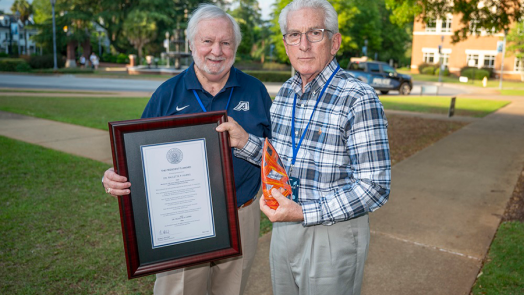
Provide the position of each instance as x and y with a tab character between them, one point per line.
203	66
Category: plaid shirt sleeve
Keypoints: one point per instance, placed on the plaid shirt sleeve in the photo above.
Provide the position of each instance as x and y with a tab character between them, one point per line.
369	169
252	151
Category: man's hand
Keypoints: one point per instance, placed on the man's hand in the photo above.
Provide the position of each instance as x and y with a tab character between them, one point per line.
238	137
287	210
115	184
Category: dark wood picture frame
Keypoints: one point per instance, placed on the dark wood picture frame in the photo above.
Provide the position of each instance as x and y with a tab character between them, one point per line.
126	138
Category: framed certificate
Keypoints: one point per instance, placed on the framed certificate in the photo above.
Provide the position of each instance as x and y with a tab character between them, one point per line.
182	207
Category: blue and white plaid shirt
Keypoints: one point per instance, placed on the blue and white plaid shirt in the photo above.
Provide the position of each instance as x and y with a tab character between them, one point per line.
343	163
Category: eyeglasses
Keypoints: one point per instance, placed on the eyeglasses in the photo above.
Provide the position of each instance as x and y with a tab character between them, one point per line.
313	36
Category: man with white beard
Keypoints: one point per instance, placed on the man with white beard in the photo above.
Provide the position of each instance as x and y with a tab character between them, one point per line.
211	83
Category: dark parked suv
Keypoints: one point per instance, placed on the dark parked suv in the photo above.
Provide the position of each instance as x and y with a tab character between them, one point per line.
381	76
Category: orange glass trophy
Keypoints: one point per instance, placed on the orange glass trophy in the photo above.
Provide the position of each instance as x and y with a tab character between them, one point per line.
274	175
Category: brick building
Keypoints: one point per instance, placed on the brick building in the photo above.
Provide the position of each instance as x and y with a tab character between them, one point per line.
479	50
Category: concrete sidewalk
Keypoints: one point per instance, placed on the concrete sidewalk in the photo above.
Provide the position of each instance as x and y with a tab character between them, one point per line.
433	234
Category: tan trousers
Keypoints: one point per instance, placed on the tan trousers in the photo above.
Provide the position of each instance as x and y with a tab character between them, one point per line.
224	277
319	259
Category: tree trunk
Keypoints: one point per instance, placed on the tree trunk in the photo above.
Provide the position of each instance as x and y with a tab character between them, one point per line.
71	59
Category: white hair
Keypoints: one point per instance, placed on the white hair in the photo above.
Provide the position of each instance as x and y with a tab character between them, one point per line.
330	15
209	11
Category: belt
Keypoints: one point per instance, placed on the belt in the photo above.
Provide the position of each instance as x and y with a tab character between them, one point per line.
248	202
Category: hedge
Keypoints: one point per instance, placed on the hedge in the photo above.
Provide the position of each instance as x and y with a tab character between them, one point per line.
479	74
428	70
11	64
445	73
46	61
270	76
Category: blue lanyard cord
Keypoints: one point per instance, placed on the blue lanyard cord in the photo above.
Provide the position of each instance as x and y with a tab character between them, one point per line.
297	147
202	105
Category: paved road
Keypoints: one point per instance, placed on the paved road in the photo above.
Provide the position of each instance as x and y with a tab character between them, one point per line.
70	82
77	83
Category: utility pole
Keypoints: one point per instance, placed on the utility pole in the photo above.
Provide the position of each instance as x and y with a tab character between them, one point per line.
55	66
503	54
441	60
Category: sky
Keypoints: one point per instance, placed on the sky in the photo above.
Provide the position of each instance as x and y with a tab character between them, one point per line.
265	5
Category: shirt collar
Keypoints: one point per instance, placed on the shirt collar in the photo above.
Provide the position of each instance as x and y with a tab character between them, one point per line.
192	82
319	80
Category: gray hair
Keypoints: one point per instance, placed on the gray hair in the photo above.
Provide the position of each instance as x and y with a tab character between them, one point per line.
330	15
209	11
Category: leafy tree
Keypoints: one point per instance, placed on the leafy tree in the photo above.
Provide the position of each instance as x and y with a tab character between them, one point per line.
515	41
496	14
140	28
25	10
247	14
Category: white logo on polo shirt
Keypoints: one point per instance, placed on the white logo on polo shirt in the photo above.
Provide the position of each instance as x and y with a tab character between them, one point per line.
242	106
179	109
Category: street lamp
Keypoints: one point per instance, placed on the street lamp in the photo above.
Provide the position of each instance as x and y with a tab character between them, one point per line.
502	62
55	67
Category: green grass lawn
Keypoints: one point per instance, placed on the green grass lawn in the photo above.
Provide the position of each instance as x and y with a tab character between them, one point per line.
92	112
440	105
60	231
503	272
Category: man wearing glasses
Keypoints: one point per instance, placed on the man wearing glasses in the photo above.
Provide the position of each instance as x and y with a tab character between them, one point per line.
331	134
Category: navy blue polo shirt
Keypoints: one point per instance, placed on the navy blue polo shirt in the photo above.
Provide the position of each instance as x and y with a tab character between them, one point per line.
249	106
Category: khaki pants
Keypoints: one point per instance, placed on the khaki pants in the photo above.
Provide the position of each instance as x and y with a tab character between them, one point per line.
224	277
319	259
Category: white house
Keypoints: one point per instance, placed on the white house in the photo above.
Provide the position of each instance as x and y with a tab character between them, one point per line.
15	33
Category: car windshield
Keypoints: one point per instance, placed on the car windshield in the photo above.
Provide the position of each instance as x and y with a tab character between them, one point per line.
388	69
356	67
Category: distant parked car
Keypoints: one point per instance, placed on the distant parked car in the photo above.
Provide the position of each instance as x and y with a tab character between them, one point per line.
381	76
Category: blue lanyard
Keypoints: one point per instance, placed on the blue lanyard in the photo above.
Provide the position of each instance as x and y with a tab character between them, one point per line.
202	105
296	148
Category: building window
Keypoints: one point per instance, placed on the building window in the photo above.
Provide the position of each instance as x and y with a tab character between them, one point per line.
474	27
429	57
489	61
431	25
446	25
519	64
472	60
445	58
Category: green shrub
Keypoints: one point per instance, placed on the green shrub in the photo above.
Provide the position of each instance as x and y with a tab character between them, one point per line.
45	61
273	66
430	70
77	70
23	67
108	57
122	58
10	64
3	54
445	73
474	73
344	63
422	66
270	76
